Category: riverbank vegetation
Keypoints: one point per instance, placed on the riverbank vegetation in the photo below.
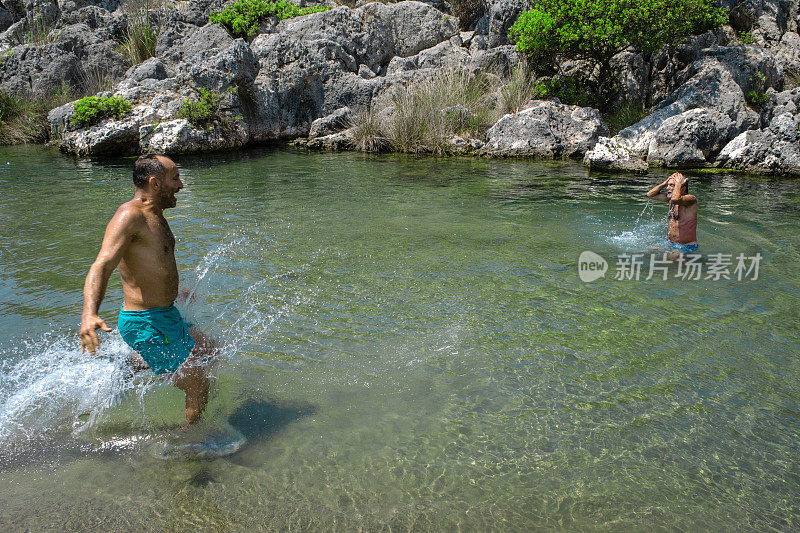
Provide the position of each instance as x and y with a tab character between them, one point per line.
244	17
144	19
24	119
595	31
92	109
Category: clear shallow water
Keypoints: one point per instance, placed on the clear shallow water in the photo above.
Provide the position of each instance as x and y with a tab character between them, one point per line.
407	346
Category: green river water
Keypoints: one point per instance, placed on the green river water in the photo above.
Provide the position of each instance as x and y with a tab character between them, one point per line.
407	346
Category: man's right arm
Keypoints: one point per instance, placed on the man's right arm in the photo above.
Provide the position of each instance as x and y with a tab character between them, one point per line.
657	193
119	233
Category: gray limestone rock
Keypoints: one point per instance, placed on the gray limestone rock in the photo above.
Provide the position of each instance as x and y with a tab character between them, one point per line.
773	150
333	123
179	137
117	136
546	129
609	155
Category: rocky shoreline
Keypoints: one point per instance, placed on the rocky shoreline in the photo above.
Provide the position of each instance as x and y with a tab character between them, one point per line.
306	79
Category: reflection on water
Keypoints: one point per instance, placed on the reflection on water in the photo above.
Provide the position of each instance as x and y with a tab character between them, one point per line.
407	345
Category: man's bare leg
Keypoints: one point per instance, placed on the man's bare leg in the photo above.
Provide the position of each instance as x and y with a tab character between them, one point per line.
192	376
136	363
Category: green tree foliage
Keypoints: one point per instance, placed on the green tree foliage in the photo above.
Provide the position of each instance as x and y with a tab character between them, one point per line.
92	109
596	30
243	17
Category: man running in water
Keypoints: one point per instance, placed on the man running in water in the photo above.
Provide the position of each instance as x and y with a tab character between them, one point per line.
682	214
139	242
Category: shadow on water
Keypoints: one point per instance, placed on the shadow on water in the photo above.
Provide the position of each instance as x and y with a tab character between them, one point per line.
260	419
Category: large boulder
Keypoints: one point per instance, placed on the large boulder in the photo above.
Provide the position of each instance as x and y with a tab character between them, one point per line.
545	129
312	65
500	16
111	136
179	136
774	149
718	85
607	154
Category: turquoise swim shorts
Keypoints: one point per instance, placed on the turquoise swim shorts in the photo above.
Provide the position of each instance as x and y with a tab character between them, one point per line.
159	335
682	248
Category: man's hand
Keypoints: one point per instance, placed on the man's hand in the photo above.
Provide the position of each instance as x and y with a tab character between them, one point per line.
89	340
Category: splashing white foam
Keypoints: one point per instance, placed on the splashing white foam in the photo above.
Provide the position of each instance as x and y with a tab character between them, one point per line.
52	385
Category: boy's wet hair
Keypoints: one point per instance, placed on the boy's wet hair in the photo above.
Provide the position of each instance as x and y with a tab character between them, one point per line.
145	166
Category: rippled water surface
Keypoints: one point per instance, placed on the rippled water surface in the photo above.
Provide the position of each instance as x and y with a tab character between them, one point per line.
407	345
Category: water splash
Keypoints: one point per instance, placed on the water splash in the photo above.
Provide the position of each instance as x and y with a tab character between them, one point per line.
646	232
53	386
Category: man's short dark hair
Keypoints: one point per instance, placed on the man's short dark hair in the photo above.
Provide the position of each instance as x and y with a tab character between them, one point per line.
145	166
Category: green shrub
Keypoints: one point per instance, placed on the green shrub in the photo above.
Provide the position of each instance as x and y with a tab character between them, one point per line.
141	34
92	109
204	111
746	37
756	98
243	17
596	30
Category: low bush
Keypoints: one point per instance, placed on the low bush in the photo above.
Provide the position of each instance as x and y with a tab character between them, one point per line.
92	109
756	98
204	111
745	37
243	17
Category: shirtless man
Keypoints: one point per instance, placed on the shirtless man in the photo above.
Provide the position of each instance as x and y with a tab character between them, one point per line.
139	242
682	214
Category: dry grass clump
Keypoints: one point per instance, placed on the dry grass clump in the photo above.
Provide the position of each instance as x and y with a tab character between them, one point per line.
141	35
368	131
427	113
24	119
519	90
792	80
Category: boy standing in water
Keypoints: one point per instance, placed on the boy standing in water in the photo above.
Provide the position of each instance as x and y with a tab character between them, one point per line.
139	242
682	214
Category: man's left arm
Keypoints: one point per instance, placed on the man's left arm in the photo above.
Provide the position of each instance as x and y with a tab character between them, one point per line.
683	200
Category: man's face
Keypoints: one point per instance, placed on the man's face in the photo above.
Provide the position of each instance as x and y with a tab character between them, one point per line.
671	186
170	184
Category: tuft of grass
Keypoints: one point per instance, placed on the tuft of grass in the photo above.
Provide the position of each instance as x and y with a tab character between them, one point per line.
791	80
521	88
627	114
429	112
24	119
243	17
141	34
40	33
368	132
